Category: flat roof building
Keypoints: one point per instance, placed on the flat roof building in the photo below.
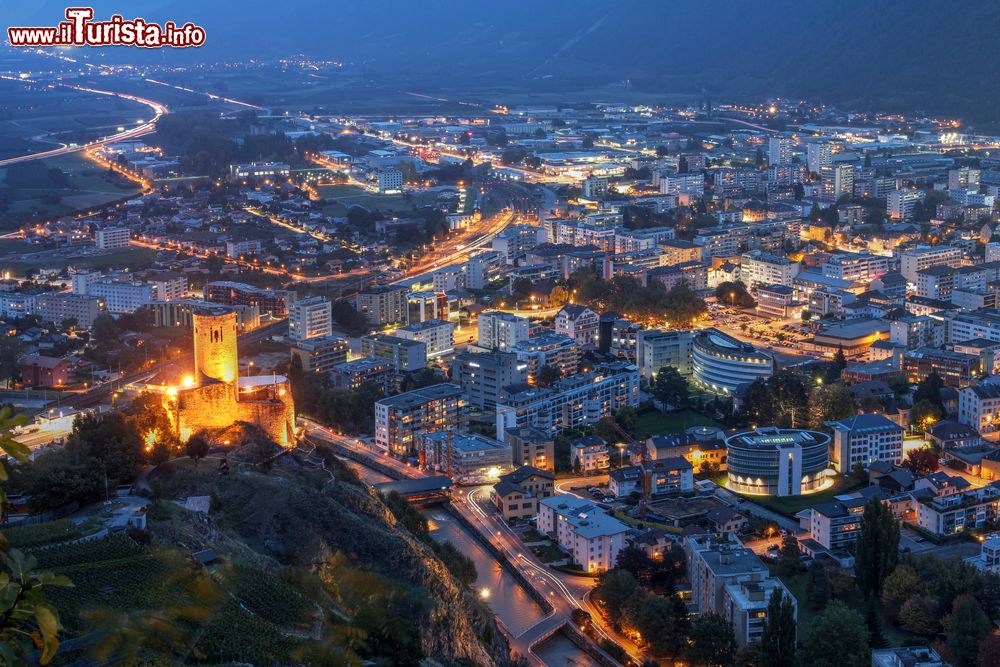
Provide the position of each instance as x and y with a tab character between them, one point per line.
401	419
773	461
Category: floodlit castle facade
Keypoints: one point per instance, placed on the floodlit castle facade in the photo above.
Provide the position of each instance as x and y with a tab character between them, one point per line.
217	397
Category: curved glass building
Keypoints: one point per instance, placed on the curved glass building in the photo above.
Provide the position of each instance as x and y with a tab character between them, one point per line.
721	363
775	461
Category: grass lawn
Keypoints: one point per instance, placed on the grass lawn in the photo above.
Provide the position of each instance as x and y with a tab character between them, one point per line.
88	186
339	198
549	553
654	422
636	523
137	257
532	535
798	585
789	505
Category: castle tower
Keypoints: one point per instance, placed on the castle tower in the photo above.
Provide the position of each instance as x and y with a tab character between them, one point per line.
215	357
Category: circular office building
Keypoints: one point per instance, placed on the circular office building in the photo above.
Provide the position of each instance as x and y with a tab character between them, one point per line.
777	461
722	363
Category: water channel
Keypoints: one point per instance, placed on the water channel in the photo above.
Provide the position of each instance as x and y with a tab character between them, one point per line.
506	598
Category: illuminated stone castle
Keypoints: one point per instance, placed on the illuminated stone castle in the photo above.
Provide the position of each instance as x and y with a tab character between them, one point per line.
217	397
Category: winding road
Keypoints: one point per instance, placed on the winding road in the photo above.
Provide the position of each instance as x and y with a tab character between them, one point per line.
145	127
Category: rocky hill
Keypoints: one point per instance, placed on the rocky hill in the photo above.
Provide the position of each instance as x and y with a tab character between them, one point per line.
311	569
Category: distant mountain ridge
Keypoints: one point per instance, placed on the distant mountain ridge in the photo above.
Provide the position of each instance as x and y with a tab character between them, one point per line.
928	54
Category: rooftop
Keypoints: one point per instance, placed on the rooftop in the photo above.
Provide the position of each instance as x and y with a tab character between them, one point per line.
417	397
865	423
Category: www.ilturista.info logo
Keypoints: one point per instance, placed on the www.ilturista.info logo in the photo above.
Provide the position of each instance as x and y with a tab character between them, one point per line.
79	29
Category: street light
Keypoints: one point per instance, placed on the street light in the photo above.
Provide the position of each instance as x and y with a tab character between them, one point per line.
621	454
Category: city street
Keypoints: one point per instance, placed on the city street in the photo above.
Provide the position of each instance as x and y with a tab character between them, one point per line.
565	591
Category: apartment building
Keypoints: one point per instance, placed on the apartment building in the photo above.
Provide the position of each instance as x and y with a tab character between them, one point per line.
900	203
320	355
467	457
592	537
759	268
578	322
656	349
864	439
580	400
363	370
913	260
484	376
310	318
589	455
960	512
482	269
857	266
501	331
383	304
269	302
731	580
58	308
549	349
167	285
122	297
965	326
988	558
402	419
956	369
404	354
836	525
111	238
531	447
438	335
517	494
979	407
666	475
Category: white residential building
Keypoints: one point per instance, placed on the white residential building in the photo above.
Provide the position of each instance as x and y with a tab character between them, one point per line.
111	238
759	268
589	454
16	304
82	280
838	180
861	266
237	249
900	203
449	278
988	559
591	536
923	257
389	181
501	331
818	155
745	607
168	285
864	439
572	402
309	318
732	581
779	150
438	335
682	184
122	297
836	525
483	268
656	349
383	304
979	407
578	322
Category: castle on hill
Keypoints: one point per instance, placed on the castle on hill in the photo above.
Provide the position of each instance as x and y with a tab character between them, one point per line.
217	397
